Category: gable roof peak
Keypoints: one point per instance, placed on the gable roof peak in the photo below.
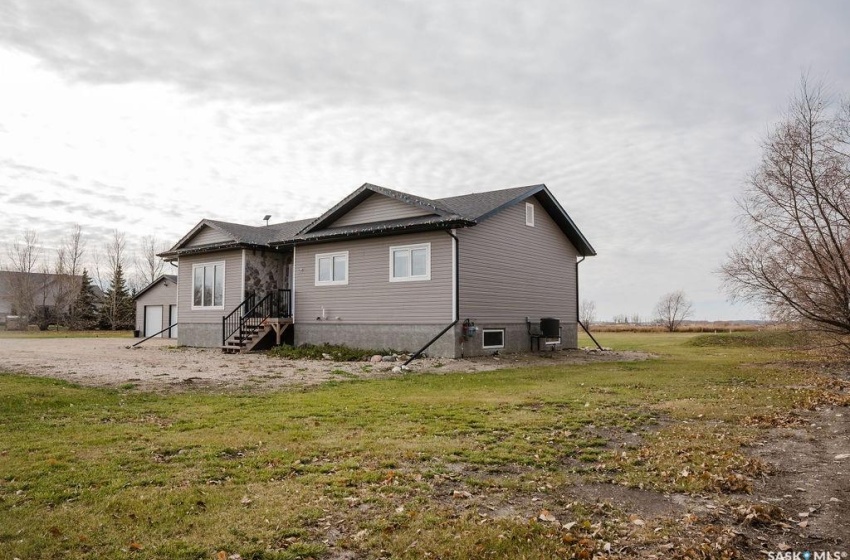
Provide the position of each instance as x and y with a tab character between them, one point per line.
365	191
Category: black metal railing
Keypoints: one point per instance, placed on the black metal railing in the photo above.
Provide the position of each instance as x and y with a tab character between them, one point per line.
252	312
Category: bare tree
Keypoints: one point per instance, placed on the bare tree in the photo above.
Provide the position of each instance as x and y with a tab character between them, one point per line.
672	309
794	257
587	313
67	271
149	265
24	256
636	319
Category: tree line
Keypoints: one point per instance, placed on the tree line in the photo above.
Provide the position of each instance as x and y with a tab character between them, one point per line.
670	312
73	287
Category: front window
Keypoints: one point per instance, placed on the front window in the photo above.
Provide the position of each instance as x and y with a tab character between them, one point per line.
208	285
410	262
332	268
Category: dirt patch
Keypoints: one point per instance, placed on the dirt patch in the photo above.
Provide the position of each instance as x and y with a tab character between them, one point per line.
157	365
812	478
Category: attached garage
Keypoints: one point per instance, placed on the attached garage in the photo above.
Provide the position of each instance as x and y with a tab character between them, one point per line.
156	308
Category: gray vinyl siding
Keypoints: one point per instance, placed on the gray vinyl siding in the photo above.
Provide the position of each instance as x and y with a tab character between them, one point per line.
158	295
378	208
207	235
510	271
369	296
232	286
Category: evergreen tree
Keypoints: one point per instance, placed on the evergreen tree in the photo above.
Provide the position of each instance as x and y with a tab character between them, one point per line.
118	310
83	310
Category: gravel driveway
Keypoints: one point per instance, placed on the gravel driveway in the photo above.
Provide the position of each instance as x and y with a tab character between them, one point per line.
157	365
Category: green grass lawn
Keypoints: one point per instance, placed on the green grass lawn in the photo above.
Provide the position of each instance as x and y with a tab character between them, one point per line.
381	468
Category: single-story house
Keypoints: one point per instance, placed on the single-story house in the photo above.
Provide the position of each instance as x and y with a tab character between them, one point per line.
156	307
463	275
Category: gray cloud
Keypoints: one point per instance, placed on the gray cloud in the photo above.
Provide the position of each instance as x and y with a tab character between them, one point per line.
682	61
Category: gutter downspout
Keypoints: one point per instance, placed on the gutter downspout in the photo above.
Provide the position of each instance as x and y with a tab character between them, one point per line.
578	320
457	303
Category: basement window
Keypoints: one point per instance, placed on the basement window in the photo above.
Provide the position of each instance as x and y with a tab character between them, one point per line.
529	214
493	338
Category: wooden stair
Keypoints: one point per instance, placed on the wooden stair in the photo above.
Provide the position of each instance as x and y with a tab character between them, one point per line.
255	332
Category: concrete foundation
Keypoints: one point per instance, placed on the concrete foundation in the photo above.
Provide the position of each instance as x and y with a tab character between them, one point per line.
202	335
409	338
516	340
406	338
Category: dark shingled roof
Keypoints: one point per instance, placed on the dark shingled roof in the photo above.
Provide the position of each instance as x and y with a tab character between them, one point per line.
451	212
260	235
373	229
240	236
477	206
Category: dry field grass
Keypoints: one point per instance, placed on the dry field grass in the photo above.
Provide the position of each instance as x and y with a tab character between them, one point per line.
713	448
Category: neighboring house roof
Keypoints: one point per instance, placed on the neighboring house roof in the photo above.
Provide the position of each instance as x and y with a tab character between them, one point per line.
40	281
456	211
162	278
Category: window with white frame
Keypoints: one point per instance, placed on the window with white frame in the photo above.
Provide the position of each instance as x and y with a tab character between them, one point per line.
529	214
332	268
410	262
208	286
493	338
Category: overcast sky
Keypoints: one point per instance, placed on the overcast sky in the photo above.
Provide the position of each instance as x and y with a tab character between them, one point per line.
643	118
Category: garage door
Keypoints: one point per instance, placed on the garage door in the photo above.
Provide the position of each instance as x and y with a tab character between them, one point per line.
153	319
172	313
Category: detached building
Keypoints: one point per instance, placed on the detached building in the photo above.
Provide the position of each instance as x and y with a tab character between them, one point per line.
156	307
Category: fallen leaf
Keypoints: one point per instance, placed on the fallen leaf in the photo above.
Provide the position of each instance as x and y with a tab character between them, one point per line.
569	525
803	514
245	501
546	515
783	547
461	494
803	524
842	456
135	546
221	555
